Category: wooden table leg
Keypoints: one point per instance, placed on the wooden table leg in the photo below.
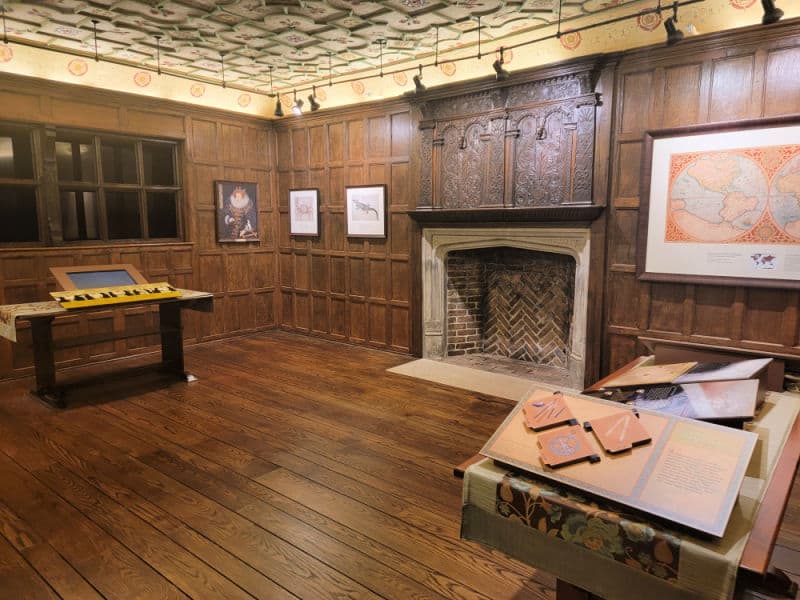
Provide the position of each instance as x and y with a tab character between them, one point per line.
567	591
44	363
172	340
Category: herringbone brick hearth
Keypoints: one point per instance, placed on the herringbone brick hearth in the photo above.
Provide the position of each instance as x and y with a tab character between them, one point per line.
510	302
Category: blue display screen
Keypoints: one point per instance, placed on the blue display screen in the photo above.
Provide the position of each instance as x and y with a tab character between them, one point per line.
96	279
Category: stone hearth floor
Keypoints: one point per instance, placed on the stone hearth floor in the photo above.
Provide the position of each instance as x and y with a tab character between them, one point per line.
493	363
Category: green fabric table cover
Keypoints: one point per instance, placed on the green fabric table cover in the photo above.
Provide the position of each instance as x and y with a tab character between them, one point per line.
589	543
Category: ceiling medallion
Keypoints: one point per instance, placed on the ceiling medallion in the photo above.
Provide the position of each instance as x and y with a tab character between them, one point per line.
506	56
400	78
244	100
570	39
448	68
142	78
649	21
358	87
197	90
6	53
77	67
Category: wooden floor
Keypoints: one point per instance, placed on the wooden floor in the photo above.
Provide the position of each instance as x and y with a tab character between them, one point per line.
294	467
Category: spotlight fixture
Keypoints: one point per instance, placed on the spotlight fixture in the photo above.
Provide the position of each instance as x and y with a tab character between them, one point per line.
312	100
297	108
278	108
771	13
418	85
674	35
500	73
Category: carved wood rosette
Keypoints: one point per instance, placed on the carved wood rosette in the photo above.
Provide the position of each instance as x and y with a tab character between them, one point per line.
524	146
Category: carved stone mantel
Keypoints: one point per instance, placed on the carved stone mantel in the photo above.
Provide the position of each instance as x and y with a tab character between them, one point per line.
437	242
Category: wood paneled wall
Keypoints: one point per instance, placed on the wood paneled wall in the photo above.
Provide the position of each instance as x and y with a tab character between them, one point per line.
350	289
744	74
214	145
360	290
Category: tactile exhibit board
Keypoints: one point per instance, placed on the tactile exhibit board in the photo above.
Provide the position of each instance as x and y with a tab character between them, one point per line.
689	473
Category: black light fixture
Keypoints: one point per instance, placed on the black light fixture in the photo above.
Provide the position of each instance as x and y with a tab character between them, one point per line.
94	29
418	85
674	35
381	43
297	108
158	53
771	13
312	99
278	108
500	73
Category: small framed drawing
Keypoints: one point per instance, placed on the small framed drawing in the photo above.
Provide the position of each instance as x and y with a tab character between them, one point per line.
720	204
237	211
366	211
304	212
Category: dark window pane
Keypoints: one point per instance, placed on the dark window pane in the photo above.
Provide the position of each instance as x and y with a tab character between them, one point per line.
122	212
19	222
75	161
158	164
162	216
16	157
119	162
79	216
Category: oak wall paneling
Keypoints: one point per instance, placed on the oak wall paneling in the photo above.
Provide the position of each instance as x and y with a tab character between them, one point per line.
743	74
212	145
349	289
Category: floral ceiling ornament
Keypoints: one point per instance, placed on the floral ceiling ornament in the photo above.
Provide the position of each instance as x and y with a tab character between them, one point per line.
314	42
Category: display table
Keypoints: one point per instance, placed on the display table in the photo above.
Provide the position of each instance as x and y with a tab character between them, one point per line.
42	314
621	554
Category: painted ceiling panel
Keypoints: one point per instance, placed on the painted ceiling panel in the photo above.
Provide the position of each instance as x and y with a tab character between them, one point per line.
299	38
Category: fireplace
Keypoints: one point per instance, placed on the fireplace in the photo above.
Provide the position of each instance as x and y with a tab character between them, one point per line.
513	292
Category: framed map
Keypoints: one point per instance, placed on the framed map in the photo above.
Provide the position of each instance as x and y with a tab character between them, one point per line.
720	204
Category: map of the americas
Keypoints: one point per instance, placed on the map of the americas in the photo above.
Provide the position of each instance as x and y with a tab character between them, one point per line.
750	195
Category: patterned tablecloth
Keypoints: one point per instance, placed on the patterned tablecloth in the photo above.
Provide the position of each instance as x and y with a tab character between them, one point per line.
9	313
612	553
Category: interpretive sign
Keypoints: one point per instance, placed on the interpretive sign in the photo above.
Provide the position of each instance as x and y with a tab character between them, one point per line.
690	472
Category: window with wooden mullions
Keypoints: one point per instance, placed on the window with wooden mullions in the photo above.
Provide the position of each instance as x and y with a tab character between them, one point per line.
18	186
59	185
116	188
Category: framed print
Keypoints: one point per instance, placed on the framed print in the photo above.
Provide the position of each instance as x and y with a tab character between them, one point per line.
237	211
304	212
720	204
366	211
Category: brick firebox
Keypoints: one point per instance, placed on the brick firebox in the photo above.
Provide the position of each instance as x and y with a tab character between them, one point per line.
510	302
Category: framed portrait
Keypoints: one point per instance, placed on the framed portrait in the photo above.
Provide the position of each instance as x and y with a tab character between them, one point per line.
720	204
237	211
365	206
304	212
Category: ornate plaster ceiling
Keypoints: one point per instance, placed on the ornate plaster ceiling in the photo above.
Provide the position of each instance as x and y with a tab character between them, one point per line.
304	41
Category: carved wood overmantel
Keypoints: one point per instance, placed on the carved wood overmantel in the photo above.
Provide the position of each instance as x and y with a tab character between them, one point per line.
519	145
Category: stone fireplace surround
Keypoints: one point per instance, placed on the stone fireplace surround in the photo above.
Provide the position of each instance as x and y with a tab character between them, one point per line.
437	242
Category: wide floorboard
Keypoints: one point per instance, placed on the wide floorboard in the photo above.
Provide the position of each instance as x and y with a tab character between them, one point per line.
294	467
